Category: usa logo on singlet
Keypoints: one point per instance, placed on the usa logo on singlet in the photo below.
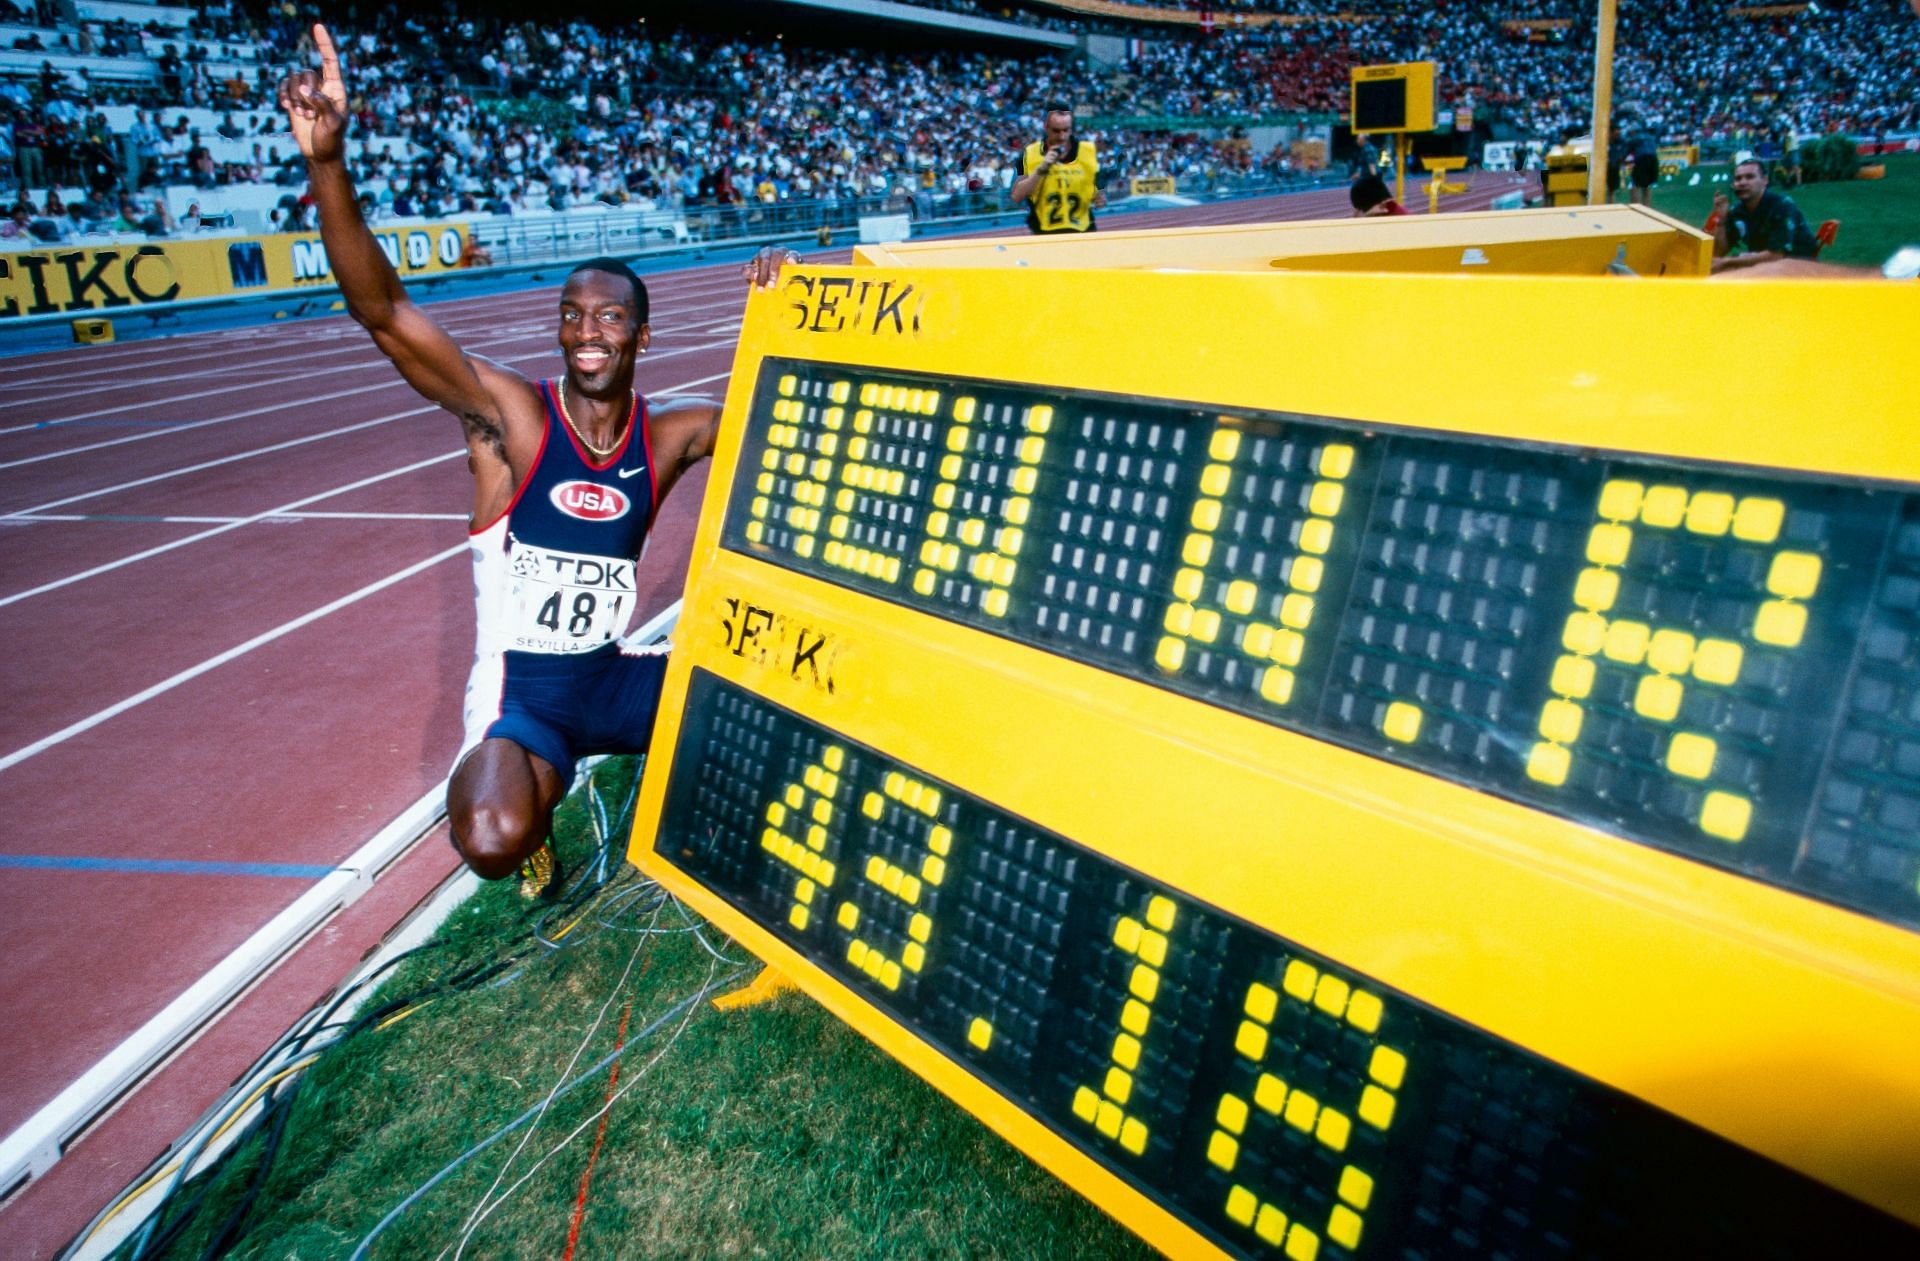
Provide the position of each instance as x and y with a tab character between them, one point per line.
589	501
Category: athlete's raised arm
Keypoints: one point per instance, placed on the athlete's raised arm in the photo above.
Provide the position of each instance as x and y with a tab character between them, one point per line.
483	395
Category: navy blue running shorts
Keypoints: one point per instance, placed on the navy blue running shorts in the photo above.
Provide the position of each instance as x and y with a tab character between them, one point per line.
563	707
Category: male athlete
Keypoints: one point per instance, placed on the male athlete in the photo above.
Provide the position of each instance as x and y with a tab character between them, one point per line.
568	474
1059	177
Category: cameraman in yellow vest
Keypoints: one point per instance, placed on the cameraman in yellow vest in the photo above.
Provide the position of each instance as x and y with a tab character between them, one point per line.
1058	177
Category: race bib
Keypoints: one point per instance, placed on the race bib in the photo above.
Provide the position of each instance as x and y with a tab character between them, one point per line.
561	602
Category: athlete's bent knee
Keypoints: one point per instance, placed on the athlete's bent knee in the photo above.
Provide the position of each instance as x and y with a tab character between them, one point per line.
494	839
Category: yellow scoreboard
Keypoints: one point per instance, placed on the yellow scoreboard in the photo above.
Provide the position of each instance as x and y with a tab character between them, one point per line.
1393	98
1326	785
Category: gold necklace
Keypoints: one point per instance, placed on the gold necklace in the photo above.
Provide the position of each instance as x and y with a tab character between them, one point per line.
599	453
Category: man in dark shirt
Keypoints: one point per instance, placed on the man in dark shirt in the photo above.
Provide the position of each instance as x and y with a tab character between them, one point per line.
1643	152
1762	225
199	161
170	74
29	157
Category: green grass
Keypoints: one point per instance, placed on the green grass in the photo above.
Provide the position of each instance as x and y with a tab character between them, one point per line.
1876	216
770	1132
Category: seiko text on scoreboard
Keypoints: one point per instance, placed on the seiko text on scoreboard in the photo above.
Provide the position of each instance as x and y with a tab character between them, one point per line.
1327	784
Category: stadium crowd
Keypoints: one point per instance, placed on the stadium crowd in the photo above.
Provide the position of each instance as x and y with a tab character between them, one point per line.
687	118
1687	70
474	114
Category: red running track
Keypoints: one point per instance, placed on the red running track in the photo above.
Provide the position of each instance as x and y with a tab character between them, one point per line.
165	502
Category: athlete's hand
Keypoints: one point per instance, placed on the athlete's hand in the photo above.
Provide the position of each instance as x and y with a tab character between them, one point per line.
316	104
763	268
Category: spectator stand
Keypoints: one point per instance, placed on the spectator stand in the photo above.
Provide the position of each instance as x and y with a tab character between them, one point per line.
138	12
582	133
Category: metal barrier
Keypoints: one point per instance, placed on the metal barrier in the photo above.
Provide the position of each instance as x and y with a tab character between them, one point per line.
663	238
514	241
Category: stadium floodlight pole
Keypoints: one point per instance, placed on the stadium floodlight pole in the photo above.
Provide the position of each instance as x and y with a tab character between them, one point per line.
1602	103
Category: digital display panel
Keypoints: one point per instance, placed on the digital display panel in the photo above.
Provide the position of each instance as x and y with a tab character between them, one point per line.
1380	104
1395	98
1278	1102
1712	661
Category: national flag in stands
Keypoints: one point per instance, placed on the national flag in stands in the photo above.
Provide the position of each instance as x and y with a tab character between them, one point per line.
1206	21
1136	49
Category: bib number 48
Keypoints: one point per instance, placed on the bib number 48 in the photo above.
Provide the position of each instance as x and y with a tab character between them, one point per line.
579	618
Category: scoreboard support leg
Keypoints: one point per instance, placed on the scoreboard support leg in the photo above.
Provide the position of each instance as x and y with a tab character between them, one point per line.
764	988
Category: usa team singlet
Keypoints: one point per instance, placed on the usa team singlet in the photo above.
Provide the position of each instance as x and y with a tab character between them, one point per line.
554	588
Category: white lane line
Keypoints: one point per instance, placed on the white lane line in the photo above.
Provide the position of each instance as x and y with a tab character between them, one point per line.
468	324
688	385
294	442
224	356
225	459
373	516
266	637
27	514
140	350
175	398
306	352
673	284
372	362
111	565
95	361
184	426
212	663
113	518
39	1142
149	404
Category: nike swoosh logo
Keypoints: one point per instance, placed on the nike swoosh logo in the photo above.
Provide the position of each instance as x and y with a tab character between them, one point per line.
625	473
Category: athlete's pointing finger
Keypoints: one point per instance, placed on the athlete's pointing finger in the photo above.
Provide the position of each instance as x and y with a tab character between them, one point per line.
329	59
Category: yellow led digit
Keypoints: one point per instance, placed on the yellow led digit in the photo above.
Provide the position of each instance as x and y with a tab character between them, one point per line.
1324	997
1211	605
801	445
1666	658
1145	939
919	813
990	541
807	808
861	476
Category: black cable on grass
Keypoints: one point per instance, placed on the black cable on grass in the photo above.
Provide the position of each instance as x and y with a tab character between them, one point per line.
155	1238
278	1101
588	1074
291	1044
234	1227
144	1245
547	936
275	1111
276	1108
